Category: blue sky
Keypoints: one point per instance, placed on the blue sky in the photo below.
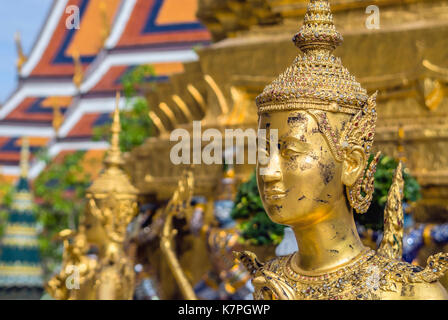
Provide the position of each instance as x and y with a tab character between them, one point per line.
26	16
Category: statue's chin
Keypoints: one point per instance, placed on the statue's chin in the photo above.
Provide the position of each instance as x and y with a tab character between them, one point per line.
291	217
280	216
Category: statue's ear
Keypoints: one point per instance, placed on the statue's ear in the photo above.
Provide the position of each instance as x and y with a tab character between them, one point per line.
353	165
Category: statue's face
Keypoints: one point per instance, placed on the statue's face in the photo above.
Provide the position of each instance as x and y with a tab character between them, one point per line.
302	180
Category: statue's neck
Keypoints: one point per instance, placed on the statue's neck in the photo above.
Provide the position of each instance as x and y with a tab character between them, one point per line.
328	243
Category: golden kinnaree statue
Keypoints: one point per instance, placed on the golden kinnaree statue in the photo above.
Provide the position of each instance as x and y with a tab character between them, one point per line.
111	205
318	172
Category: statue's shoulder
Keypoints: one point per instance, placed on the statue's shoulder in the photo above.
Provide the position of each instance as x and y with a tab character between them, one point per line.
407	281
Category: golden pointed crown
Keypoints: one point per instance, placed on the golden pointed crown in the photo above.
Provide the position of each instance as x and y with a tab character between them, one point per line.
316	79
113	179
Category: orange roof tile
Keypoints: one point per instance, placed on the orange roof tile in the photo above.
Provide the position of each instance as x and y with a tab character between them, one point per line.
160	22
87	40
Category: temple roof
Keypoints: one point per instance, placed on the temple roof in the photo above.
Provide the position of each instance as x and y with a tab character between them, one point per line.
38	109
159	23
56	44
114	36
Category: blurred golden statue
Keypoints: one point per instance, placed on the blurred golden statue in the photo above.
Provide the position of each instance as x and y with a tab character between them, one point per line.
112	203
317	171
77	274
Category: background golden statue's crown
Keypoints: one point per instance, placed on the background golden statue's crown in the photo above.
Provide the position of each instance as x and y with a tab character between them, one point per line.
316	76
113	179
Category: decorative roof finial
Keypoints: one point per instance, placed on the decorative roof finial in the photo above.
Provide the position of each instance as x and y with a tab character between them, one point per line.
21	56
318	31
114	154
24	157
78	73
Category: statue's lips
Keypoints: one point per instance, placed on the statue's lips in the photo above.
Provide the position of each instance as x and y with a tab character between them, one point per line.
272	195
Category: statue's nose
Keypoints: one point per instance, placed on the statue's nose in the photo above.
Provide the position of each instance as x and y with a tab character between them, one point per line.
272	174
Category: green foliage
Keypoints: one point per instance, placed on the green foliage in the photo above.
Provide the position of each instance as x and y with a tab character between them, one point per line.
254	223
135	122
373	218
60	191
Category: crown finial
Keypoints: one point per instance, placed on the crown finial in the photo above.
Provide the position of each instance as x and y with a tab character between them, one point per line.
114	154
318	31
24	157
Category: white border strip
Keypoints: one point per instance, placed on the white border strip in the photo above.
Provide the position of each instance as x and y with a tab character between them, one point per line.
37	89
21	130
45	37
95	74
120	23
37	167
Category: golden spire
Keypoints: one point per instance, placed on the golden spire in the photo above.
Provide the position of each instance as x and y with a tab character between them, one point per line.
114	154
24	158
113	178
316	79
78	73
21	56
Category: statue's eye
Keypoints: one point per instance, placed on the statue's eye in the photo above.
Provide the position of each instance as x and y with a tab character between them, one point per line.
290	152
291	149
